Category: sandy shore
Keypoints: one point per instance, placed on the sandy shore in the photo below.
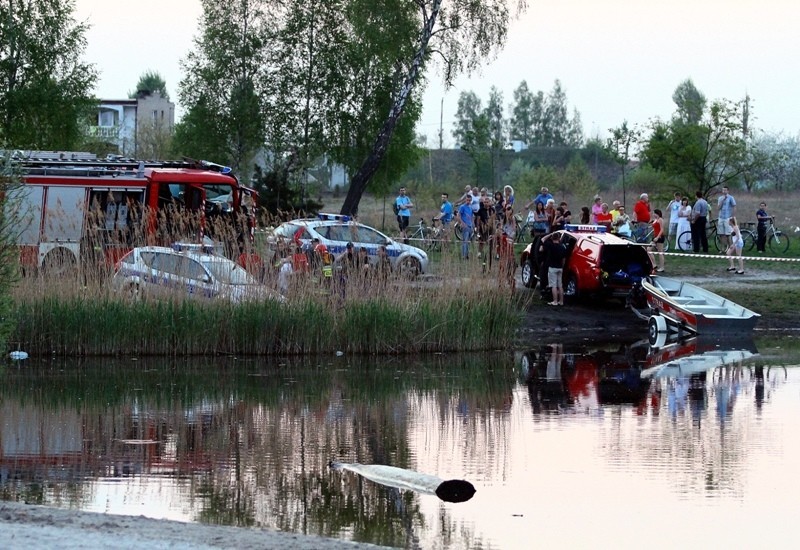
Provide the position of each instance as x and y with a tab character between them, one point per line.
38	527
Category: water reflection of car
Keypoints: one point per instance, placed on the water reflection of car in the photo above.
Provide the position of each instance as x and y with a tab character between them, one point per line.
576	378
336	231
597	263
561	377
193	270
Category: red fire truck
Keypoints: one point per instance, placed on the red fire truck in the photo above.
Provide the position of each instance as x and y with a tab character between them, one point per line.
72	209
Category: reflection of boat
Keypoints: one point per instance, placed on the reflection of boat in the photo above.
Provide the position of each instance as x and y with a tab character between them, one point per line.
692	356
678	306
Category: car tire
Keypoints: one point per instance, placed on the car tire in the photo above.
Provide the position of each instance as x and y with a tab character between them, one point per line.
528	273
571	289
134	291
409	268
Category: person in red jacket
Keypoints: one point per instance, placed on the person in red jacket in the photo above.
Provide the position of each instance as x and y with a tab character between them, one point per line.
641	210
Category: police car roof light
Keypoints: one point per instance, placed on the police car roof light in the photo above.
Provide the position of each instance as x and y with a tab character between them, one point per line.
193	247
333	217
585	228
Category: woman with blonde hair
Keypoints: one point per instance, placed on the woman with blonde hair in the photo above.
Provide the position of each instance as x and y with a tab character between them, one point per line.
736	246
508	196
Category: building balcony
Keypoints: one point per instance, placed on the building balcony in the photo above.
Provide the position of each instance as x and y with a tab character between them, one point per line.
104	132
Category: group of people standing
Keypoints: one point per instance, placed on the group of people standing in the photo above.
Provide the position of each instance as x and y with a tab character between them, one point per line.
477	213
483	214
694	219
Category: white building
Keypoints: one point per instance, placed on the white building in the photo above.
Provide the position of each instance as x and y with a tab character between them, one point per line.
121	121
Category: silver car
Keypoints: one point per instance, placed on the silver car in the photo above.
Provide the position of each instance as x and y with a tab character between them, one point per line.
335	231
189	269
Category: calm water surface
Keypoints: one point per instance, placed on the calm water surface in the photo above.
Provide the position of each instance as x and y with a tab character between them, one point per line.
568	446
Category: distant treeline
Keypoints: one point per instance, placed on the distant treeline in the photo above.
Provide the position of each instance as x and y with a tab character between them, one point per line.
448	168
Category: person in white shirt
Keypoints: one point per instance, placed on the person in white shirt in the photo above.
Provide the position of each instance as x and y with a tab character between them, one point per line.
674	208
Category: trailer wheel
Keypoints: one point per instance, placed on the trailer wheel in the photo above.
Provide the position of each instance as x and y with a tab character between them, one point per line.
60	263
657	330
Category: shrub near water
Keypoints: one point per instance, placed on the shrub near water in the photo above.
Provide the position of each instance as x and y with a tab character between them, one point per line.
397	317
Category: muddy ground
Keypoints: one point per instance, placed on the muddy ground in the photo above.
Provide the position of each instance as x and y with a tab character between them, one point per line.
609	318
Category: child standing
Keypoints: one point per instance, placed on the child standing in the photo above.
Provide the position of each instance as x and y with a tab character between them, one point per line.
658	238
736	246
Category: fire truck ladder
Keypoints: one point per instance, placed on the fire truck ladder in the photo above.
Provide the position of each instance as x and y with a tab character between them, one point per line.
44	163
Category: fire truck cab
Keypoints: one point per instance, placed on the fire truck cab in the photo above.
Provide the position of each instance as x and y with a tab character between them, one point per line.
74	210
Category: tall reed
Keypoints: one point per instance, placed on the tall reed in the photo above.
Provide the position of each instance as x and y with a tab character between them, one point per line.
64	310
353	317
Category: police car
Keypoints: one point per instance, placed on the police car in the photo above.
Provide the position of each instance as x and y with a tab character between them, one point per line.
597	262
335	231
189	269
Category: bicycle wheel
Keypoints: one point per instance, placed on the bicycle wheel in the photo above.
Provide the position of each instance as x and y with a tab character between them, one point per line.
718	243
458	232
749	239
684	241
778	242
521	232
433	241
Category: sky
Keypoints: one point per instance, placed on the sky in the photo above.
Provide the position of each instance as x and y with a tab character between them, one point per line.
617	60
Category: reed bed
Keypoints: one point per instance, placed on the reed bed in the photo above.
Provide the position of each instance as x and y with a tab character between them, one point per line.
356	316
70	310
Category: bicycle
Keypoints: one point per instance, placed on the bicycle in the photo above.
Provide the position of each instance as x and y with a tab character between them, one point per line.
777	240
523	229
684	241
430	237
642	235
458	233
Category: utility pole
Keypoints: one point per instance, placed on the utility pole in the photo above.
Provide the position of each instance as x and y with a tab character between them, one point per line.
441	125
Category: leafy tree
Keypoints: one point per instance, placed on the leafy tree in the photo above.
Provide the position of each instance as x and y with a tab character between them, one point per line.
150	82
223	84
153	140
705	155
381	32
555	123
523	114
691	103
277	193
575	130
780	166
621	146
543	120
469	108
307	84
577	182
477	146
497	131
461	33
44	87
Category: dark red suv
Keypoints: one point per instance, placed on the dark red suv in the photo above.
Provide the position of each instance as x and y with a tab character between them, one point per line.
597	263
